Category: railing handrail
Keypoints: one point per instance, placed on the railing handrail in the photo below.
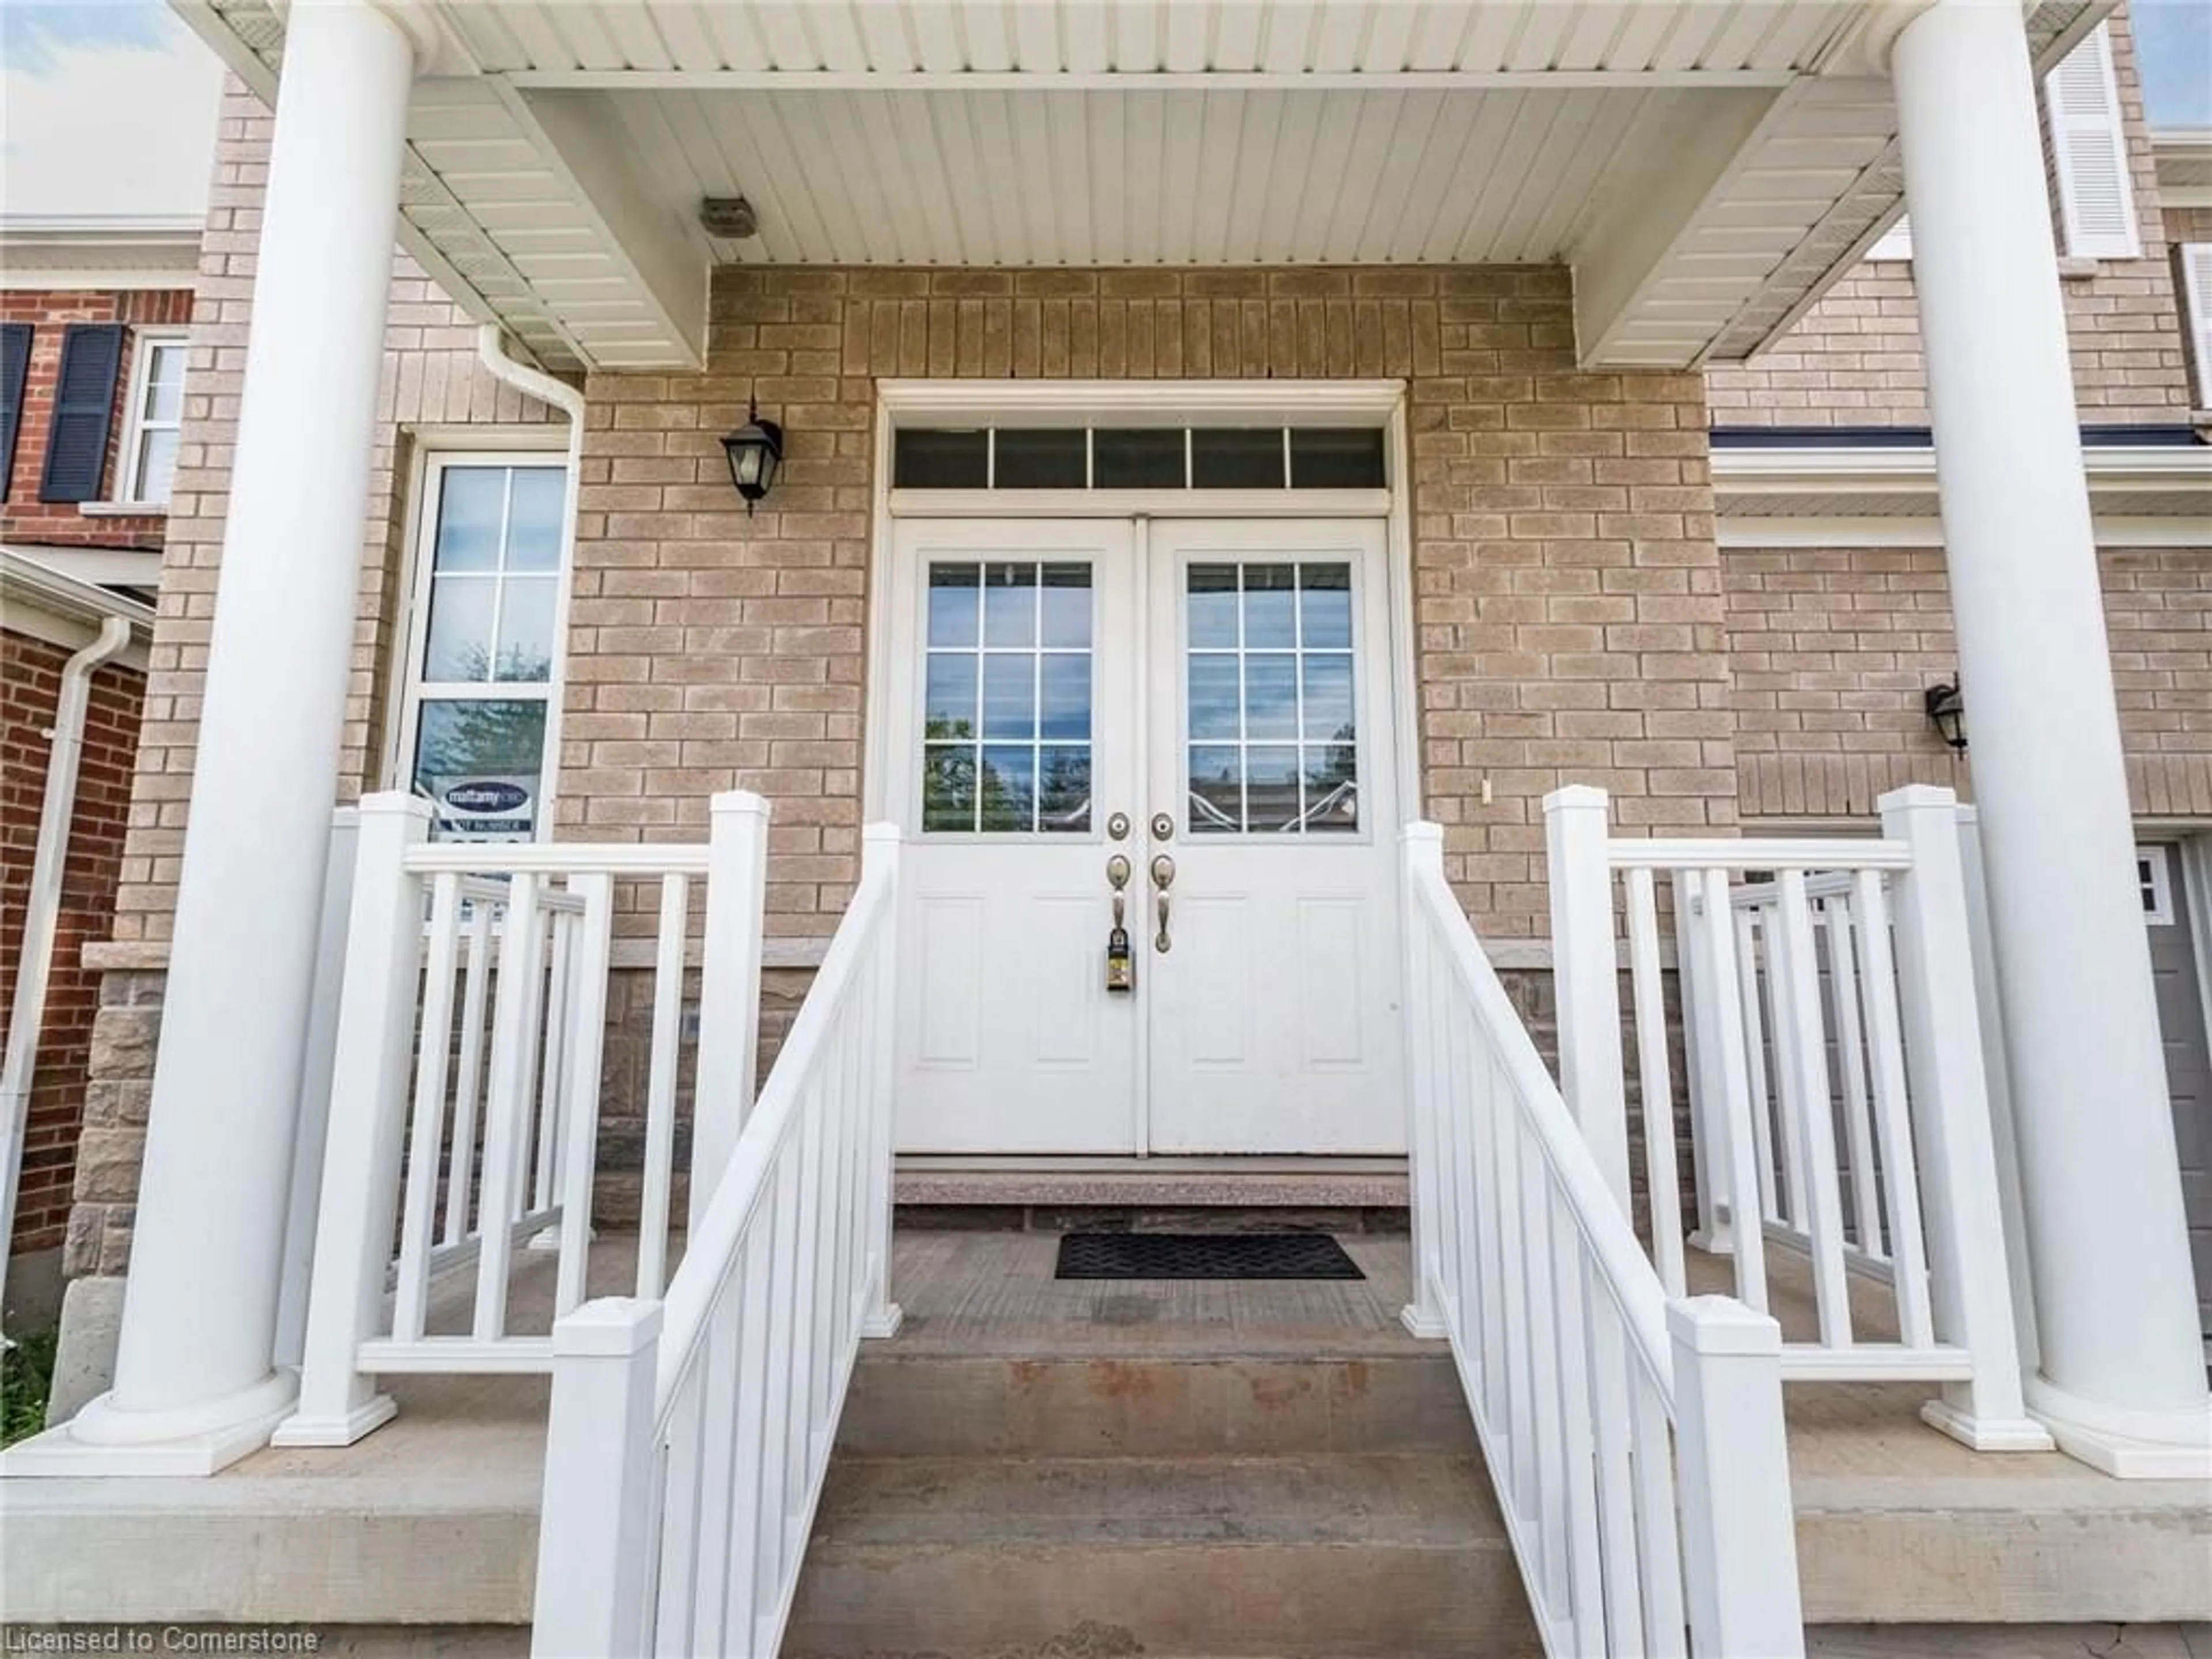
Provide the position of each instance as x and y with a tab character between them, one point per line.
557	858
1626	1271
704	1273
1766	853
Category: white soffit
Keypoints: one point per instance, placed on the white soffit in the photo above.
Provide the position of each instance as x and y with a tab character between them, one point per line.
1678	152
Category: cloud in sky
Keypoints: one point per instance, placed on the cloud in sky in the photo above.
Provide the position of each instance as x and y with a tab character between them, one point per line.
108	108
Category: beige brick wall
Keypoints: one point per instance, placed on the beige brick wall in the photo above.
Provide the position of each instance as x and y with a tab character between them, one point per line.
1568	606
1855	359
1830	651
430	378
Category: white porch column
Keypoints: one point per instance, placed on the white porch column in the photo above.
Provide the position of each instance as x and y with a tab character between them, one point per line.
2122	1376
195	1386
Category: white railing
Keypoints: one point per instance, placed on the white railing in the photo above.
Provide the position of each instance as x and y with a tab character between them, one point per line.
689	1440
1636	1446
465	1083
1832	1069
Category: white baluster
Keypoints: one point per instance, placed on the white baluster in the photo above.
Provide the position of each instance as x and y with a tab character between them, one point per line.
1661	1177
506	1101
1806	1099
1900	1169
434	1051
879	849
1733	1044
660	1086
584	1042
476	1003
1708	1093
1851	1046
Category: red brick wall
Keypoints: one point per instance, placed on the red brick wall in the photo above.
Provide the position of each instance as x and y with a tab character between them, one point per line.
23	516
30	684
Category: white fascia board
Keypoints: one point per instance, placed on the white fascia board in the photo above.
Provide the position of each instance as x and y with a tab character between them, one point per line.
1884	471
65	611
1785	532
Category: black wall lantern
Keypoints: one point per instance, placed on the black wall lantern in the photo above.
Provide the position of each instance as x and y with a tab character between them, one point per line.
1947	712
756	450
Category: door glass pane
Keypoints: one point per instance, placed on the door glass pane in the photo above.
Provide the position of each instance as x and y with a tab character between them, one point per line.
1270	714
955	603
1008	787
988	677
1010	605
1270	610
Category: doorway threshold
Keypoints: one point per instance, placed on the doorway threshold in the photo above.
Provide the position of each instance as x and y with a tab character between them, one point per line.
1354	1183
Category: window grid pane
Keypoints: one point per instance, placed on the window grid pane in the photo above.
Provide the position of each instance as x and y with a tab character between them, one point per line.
1269	699
1006	729
1257	458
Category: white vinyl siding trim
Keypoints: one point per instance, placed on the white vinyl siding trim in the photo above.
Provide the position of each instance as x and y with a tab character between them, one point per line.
2197	296
1896	242
2096	195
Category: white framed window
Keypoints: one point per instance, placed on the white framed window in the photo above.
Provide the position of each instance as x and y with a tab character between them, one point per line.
154	414
485	642
2197	304
2154	879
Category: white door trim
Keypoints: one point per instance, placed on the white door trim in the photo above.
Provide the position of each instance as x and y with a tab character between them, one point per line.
1034	403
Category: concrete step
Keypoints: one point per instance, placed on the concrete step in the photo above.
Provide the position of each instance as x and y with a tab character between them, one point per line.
905	1404
1368	1557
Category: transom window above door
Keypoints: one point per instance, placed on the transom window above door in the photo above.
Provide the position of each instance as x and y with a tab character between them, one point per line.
1289	458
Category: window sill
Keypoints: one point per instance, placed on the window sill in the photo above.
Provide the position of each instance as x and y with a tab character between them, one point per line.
2079	270
123	509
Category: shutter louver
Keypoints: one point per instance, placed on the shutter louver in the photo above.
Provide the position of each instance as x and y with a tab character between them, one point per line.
2096	195
15	366
2196	295
84	410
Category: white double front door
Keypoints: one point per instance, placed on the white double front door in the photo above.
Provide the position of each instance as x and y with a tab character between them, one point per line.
1203	708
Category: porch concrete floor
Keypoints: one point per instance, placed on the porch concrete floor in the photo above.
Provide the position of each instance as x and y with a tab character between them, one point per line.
432	1520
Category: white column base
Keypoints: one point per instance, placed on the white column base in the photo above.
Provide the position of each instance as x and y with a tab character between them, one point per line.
2018	1434
882	1323
1419	1321
306	1429
2126	1445
100	1441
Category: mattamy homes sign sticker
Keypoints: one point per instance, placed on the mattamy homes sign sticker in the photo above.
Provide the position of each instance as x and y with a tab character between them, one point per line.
485	807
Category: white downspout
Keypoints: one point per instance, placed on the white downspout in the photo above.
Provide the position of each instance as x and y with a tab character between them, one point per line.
491	352
43	906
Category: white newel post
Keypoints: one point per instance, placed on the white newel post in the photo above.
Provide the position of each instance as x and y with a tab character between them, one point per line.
2122	1381
729	987
1586	978
1422	852
372	1063
879	851
195	1384
1970	1288
596	1521
1739	1528
315	1083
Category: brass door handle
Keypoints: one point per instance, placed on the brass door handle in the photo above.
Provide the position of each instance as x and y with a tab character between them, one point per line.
1164	873
1161	942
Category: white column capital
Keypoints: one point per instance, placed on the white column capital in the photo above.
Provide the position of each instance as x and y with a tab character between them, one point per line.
411	17
1868	45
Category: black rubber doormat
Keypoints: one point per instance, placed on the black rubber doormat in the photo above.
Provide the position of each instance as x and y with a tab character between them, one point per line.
1203	1255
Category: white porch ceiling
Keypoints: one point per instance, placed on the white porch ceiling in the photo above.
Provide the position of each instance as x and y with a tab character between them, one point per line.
1684	156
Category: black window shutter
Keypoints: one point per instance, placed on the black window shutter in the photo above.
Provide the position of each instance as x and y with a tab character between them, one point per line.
14	365
84	410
